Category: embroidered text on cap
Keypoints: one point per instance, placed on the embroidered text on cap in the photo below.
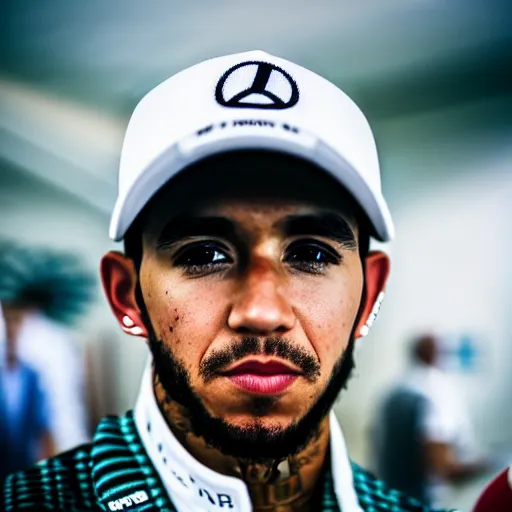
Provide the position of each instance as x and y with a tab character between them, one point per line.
257	84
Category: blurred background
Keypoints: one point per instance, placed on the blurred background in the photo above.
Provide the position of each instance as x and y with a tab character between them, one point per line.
434	79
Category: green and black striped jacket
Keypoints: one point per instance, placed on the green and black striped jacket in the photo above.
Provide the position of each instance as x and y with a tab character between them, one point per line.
115	473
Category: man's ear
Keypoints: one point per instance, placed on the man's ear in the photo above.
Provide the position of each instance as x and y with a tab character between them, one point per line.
376	274
119	279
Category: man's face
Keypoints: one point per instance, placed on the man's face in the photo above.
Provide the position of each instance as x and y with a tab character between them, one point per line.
252	289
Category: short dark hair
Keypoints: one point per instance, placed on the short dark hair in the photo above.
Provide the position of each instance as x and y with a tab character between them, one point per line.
133	240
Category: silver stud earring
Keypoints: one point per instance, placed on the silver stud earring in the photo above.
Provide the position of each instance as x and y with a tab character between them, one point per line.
127	321
373	315
129	326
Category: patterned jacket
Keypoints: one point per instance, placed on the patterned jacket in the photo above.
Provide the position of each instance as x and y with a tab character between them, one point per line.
115	473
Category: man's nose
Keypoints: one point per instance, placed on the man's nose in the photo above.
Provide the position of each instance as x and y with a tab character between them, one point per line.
260	305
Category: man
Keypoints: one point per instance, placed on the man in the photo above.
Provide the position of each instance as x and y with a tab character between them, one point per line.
424	437
249	188
24	418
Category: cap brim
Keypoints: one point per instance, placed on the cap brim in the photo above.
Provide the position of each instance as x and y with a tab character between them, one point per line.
212	141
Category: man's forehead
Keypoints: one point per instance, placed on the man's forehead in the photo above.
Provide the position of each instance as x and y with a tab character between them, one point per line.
275	213
234	206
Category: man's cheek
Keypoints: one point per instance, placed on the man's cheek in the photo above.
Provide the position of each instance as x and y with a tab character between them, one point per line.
333	333
188	332
165	316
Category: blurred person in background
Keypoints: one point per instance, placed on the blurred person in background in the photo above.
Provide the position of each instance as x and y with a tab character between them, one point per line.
52	349
25	434
249	190
42	291
423	437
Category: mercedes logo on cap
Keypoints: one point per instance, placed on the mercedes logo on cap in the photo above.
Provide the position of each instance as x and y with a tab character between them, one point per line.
257	84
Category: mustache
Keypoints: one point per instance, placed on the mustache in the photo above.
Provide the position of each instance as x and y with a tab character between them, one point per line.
283	348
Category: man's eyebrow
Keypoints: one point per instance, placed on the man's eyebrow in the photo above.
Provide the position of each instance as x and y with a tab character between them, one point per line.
184	226
329	225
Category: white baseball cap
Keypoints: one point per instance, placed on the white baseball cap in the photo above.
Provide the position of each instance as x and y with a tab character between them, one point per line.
250	100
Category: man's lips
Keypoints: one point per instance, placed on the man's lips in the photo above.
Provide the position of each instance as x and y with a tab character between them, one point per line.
263	378
261	368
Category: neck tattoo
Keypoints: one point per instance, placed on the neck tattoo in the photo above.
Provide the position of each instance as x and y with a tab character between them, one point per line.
281	486
278	488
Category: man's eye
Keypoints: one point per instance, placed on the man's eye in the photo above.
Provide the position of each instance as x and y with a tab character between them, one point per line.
312	257
201	257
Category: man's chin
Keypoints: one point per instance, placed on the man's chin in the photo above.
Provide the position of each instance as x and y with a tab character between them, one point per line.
248	408
267	423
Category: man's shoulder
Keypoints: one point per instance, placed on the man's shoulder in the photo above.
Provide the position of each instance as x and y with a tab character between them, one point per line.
62	482
373	494
111	473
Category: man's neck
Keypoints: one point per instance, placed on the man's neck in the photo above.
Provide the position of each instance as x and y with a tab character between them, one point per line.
282	485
